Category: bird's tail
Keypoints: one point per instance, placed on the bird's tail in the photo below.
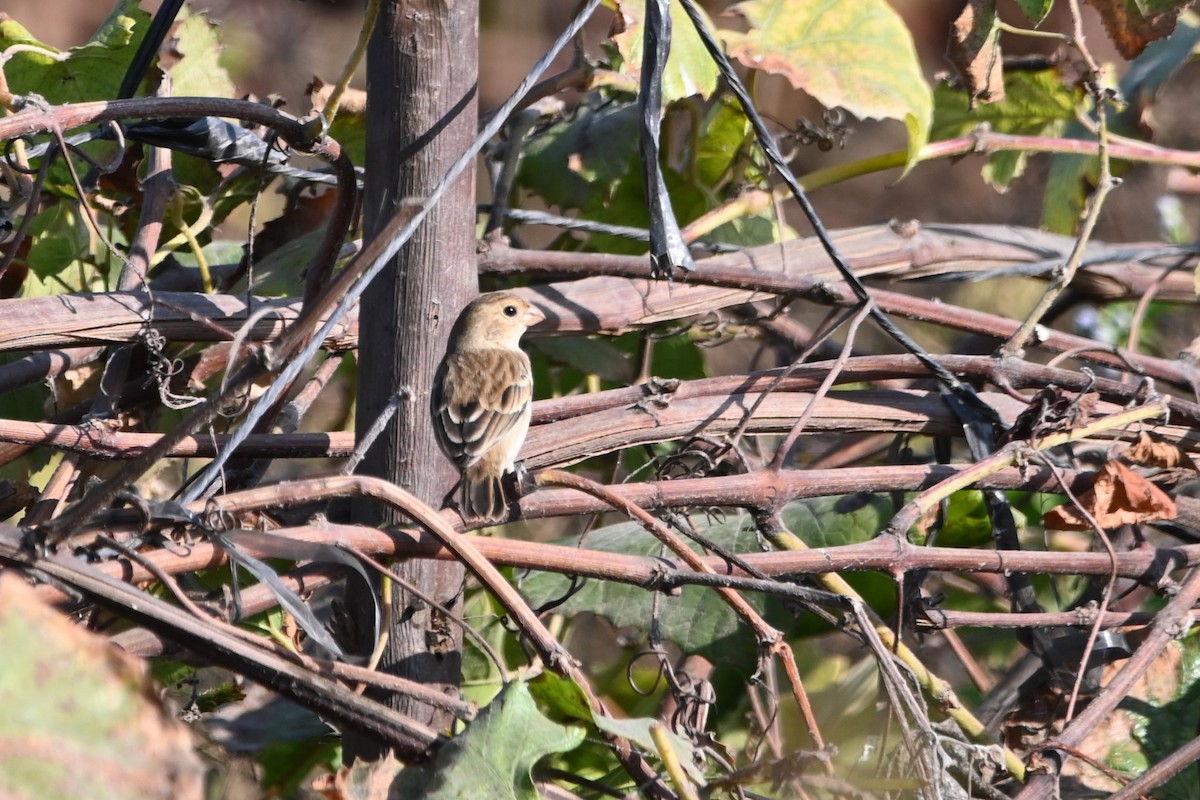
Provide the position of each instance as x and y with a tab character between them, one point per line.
483	496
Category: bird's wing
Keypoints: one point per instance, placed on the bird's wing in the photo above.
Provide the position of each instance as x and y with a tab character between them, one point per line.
478	398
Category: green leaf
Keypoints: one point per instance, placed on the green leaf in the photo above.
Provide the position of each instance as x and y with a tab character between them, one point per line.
696	619
90	72
833	521
279	274
859	56
494	756
1035	104
199	73
561	695
626	205
677	357
350	131
724	134
1035	10
752	231
690	69
1070	180
60	240
577	162
967	523
565	697
638	731
287	764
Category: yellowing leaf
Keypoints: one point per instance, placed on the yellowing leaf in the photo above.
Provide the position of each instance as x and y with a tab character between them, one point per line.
859	56
198	71
690	69
92	71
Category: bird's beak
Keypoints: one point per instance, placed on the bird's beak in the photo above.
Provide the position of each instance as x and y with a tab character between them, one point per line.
533	316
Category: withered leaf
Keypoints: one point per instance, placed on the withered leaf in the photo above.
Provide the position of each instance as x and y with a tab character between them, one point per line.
1119	496
1051	410
974	49
1157	453
1133	24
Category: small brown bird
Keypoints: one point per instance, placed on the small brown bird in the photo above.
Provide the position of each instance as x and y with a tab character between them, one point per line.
482	399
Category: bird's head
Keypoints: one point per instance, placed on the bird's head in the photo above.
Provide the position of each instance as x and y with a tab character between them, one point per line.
496	319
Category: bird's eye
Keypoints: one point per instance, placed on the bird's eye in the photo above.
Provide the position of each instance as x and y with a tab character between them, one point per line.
510	311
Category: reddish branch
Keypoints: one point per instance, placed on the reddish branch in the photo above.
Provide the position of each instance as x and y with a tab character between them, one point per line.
890	555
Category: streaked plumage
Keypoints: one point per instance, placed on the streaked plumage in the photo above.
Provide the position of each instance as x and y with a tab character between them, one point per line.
481	399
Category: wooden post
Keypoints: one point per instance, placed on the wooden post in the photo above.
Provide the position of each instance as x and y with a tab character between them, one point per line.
422	69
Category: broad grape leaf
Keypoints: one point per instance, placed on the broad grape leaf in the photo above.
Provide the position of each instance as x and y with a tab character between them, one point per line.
696	618
577	162
494	756
1119	496
196	71
725	137
1133	24
859	56
92	71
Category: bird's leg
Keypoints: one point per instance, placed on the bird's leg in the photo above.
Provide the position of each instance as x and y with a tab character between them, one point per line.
523	482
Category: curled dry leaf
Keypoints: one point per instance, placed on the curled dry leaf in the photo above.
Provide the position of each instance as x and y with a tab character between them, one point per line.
364	780
1133	24
1052	410
1119	496
974	49
1157	453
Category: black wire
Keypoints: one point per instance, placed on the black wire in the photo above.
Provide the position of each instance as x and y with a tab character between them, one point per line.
667	248
164	18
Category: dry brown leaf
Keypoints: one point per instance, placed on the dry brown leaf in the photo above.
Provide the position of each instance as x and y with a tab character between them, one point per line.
974	49
1119	496
1052	410
363	780
1131	30
1158	453
353	102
